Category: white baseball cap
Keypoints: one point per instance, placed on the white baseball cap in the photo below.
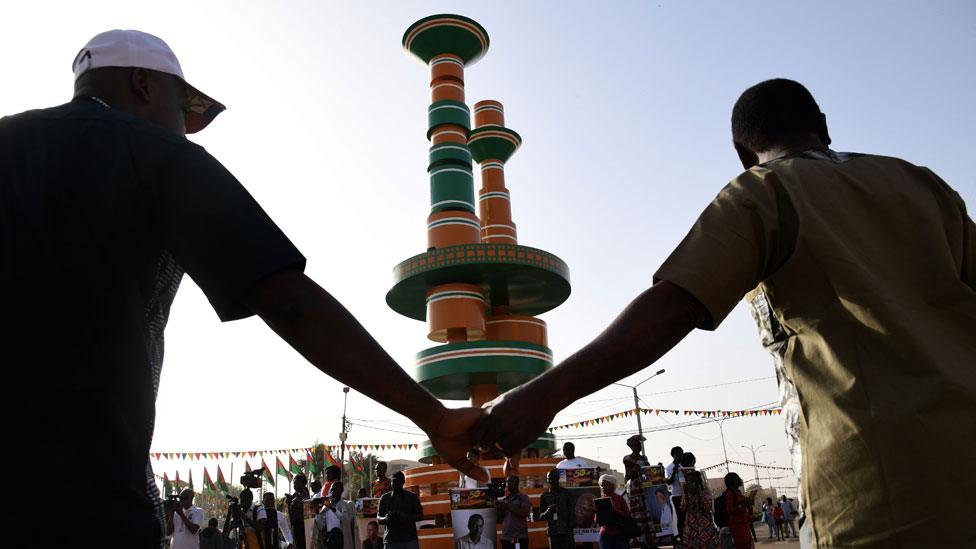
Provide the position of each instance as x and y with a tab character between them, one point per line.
132	48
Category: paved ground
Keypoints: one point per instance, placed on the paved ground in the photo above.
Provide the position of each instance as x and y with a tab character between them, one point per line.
789	544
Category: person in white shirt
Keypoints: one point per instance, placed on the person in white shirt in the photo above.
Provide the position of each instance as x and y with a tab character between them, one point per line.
675	477
185	522
475	538
466	482
275	530
570	461
327	532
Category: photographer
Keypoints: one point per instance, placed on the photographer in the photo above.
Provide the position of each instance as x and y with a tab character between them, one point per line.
296	509
184	522
327	532
240	525
273	524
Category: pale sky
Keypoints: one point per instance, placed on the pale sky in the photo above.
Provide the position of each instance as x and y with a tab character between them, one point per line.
624	114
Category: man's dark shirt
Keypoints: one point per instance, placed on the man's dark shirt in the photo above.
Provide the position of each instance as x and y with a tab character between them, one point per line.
371	544
100	214
565	513
403	502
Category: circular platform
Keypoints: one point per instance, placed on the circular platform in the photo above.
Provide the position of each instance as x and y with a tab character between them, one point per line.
493	143
530	281
448	371
446	33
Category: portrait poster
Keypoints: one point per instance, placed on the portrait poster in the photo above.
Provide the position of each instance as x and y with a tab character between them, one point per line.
473	518
660	510
583	490
365	513
652	476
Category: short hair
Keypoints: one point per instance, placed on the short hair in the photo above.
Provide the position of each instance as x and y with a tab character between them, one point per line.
373	523
212	522
334	469
476	516
732	480
609	478
399	474
688	459
301	477
772	110
676	450
569	444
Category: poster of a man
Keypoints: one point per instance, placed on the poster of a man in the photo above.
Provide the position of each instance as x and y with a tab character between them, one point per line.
475	538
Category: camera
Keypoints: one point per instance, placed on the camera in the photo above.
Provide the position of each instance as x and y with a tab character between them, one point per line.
496	489
251	479
171	502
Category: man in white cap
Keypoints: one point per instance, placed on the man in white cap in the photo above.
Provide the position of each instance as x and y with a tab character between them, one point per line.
103	206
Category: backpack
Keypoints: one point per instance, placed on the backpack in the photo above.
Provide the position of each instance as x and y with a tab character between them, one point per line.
721	513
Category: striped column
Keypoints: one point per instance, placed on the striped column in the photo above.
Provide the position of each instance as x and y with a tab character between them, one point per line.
455	313
494	200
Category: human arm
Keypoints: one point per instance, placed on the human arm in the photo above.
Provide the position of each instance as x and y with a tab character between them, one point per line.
518	506
316	325
383	510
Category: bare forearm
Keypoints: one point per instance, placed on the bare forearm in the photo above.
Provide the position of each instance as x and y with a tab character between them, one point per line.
649	327
328	336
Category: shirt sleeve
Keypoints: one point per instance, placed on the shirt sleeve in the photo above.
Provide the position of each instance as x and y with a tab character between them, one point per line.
216	231
741	238
285	528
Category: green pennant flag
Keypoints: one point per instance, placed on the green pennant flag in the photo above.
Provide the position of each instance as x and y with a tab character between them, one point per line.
167	485
280	469
190	484
293	465
266	472
312	467
221	483
329	460
208	483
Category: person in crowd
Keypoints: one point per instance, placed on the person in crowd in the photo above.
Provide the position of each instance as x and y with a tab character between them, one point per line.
104	236
556	506
570	461
332	474
373	539
296	509
185	522
347	519
315	488
666	517
211	537
767	517
273	524
699	532
860	271
611	536
382	483
633	462
675	478
475	538
362	493
688	461
789	516
514	508
327	530
739	509
399	510
778	519
464	481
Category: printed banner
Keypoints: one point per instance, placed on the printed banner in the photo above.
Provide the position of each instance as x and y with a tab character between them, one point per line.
474	518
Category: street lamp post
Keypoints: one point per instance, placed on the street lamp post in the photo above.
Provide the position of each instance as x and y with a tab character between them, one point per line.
640	428
755	465
719	422
342	435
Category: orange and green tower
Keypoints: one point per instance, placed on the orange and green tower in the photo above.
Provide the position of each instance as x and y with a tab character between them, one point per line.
477	288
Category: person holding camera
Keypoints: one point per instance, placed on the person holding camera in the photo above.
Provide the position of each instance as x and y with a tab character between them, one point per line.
273	524
327	532
184	522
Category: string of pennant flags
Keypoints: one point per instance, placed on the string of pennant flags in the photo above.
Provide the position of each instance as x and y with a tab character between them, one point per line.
659	411
724	463
285	451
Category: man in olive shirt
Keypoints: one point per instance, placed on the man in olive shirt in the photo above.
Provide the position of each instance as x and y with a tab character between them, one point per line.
557	510
399	512
861	273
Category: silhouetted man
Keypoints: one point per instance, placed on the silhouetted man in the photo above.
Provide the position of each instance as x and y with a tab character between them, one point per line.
296	509
860	271
399	510
570	461
515	509
105	205
185	523
556	506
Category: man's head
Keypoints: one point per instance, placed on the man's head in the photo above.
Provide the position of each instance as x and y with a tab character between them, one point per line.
362	493
315	486
732	481
676	453
552	477
476	525
782	498
335	491
372	529
301	482
247	498
777	113
212	523
473	455
380	469
138	73
688	459
769	501
332	472
634	443
569	450
186	498
397	481
512	483
268	500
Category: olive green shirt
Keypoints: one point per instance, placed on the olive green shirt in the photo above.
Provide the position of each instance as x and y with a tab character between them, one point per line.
861	273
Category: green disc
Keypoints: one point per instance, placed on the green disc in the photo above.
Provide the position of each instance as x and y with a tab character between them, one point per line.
446	33
530	281
493	143
449	370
